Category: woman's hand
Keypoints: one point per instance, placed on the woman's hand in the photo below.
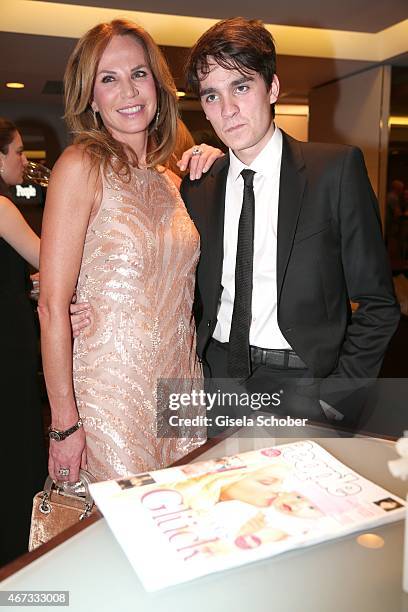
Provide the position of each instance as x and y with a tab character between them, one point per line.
80	315
199	163
69	454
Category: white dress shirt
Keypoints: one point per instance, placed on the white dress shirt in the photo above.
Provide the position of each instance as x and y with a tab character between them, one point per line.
264	331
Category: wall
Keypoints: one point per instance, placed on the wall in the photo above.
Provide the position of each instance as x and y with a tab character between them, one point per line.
41	126
295	125
354	110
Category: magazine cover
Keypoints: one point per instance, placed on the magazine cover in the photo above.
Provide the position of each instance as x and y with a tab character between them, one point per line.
183	522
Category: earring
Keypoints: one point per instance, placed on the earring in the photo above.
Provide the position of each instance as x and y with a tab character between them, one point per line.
156	119
95	118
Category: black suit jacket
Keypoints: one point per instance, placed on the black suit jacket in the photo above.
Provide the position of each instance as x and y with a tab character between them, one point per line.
330	250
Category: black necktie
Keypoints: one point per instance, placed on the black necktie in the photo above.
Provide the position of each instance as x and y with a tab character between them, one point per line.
239	358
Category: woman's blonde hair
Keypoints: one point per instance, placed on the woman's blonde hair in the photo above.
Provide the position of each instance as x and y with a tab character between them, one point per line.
88	128
184	141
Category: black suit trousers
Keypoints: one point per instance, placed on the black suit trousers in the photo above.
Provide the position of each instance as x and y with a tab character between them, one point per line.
292	392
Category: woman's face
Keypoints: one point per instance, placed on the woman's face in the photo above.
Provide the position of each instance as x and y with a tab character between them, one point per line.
12	163
295	504
125	92
260	488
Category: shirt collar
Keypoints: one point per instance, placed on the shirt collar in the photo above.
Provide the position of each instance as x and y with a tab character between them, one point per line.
265	162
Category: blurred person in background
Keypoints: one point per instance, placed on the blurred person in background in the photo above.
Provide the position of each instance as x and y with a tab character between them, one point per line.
22	443
394	211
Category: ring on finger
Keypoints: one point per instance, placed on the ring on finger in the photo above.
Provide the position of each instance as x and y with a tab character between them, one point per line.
196	151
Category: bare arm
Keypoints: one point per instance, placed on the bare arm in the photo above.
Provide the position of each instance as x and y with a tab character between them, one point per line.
17	233
70	198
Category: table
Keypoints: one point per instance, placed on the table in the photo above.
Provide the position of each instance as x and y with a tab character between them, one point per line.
335	576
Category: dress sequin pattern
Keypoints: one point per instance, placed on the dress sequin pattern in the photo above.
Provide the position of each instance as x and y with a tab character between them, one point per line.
138	271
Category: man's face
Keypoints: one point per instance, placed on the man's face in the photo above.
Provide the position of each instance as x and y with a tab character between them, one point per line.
239	109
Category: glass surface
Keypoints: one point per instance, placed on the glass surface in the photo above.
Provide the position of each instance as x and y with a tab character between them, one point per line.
340	575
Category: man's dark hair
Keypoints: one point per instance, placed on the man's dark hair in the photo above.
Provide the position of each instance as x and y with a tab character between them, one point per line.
234	44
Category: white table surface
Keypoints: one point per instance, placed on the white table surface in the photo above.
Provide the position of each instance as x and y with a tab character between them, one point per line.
335	576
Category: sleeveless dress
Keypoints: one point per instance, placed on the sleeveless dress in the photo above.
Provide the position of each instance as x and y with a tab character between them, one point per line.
138	273
22	448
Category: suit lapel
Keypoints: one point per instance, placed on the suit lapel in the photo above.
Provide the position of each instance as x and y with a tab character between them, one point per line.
215	204
291	189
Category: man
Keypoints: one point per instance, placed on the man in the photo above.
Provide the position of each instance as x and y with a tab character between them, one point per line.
290	233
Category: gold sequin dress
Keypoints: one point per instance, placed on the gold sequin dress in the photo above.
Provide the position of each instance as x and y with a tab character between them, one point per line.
138	273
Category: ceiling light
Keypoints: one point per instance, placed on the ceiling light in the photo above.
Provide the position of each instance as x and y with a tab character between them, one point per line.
292	109
15	85
394	120
35	154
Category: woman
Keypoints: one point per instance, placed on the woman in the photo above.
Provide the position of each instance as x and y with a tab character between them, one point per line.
23	471
116	227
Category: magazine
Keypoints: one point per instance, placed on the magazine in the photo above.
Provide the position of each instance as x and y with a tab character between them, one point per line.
184	522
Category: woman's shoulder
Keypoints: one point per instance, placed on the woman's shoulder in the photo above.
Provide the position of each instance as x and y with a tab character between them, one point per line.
6	203
9	212
76	155
75	166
